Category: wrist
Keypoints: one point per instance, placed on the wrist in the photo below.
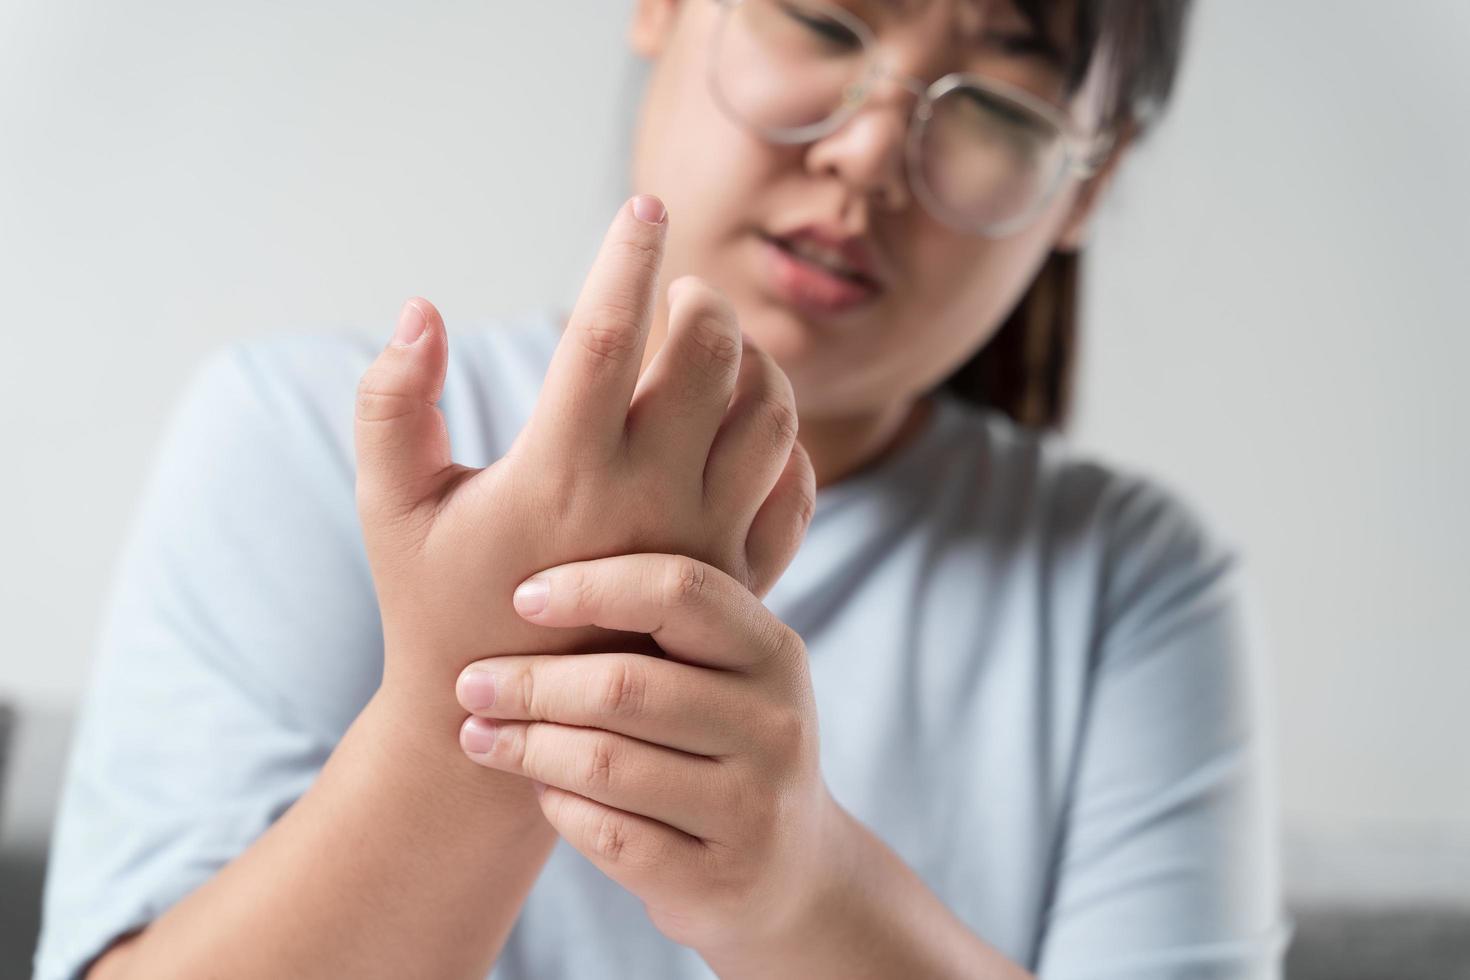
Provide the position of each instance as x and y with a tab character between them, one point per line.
815	915
403	741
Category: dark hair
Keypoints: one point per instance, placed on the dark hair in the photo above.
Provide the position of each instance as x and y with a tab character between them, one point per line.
1027	368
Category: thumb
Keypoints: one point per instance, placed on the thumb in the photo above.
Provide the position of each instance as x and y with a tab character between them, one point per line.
401	440
780	525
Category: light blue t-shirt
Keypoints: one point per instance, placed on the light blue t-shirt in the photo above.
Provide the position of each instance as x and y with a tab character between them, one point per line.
1038	680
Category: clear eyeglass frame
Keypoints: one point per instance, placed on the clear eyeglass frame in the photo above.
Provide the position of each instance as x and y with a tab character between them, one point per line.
1082	153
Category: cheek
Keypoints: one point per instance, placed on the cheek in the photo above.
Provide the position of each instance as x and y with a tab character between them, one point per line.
959	292
685	149
978	281
708	170
972	284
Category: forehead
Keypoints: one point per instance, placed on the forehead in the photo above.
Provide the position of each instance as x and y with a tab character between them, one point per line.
973	15
914	6
1047	22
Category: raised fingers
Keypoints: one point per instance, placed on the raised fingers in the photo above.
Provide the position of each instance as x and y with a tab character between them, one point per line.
401	442
683	395
781	524
589	383
751	448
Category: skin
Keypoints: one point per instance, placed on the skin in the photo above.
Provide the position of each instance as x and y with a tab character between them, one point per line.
859	378
654	714
404	857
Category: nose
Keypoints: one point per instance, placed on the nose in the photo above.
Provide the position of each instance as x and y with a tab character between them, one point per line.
867	151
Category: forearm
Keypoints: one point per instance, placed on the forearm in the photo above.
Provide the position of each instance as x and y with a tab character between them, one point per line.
878	919
402	859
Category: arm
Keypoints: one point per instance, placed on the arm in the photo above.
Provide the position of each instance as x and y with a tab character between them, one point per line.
396	862
1169	864
717	820
415	864
692	780
241	642
878	920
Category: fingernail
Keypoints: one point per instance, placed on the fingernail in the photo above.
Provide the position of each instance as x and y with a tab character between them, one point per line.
531	595
477	736
476	690
411	323
649	208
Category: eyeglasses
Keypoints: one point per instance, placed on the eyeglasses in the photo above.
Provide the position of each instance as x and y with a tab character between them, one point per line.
984	157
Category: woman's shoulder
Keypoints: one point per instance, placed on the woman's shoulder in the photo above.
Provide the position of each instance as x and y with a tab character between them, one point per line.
1134	529
306	378
325	358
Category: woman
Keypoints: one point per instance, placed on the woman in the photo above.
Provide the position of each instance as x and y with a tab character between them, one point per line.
326	746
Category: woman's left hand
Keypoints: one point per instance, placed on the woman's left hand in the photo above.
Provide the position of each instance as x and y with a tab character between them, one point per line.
693	782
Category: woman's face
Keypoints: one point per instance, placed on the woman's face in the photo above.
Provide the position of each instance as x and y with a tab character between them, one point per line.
726	188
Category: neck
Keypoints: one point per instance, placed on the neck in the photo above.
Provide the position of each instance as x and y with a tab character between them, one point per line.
844	446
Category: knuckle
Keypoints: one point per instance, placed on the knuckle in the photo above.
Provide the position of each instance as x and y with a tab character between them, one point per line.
611	836
604	758
584	592
807	486
776	641
606	335
537	750
806	507
624	690
779	414
788	734
711	319
683	582
718	351
512	745
376	403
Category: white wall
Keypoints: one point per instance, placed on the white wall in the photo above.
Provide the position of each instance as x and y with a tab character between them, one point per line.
1279	325
174	175
1275	323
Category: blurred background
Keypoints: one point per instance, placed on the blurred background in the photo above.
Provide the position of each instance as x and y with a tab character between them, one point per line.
1275	326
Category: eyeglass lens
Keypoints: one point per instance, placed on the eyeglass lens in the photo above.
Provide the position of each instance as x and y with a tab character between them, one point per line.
790	68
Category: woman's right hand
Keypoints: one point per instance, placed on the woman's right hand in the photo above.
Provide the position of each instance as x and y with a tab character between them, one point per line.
609	463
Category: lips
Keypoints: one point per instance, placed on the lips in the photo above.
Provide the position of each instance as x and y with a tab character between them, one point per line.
811	287
855	251
821	266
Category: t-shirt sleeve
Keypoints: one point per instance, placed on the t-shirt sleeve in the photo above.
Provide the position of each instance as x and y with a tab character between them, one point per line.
1169	864
239	638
